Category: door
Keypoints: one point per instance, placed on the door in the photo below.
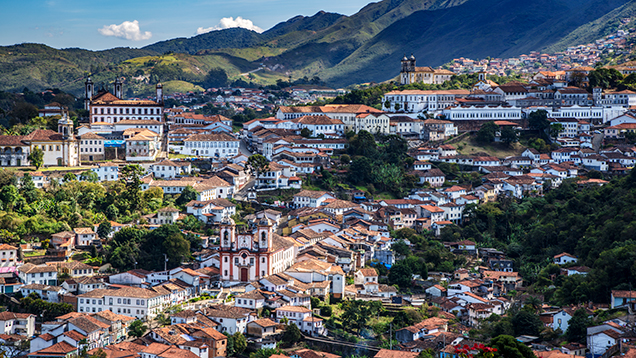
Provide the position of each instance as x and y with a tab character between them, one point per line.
244	274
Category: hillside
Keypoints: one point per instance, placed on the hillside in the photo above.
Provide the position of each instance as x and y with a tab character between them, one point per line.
596	29
341	50
478	28
228	38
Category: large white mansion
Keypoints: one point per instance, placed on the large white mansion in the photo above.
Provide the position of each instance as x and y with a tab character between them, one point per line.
106	107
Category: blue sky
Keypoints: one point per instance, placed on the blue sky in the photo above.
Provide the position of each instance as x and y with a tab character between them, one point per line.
100	25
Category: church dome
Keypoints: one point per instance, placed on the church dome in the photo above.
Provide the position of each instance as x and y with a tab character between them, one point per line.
412	57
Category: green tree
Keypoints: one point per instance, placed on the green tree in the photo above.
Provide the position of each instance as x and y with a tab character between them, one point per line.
263	353
363	144
509	135
401	248
69	177
538	120
36	157
577	326
216	77
360	170
28	189
292	335
9	196
187	195
257	164
305	132
240	343
137	329
345	159
509	347
555	129
162	319
526	322
486	133
130	176
104	229
401	274
89	176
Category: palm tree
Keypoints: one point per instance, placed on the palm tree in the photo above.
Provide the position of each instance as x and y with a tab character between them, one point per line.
535	303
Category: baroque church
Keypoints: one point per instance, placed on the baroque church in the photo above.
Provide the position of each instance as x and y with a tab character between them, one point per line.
250	256
410	73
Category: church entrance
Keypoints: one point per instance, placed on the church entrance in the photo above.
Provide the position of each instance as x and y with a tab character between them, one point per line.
244	274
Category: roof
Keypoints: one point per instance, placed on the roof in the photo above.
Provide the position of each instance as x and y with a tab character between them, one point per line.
368	272
264	322
385	353
58	349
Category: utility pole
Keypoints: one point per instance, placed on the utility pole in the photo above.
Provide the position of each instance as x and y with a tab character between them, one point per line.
391	336
165	263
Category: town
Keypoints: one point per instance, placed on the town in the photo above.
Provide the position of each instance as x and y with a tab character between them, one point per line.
323	229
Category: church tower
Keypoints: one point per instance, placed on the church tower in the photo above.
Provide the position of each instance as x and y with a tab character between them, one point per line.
89	91
65	126
227	232
119	88
159	93
265	234
412	63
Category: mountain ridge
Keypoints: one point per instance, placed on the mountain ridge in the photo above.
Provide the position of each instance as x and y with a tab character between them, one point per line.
342	50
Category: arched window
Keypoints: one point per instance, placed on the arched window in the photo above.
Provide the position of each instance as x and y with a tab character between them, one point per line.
226	237
263	238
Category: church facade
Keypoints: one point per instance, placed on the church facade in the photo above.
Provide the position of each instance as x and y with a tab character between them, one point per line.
59	148
410	73
246	257
106	107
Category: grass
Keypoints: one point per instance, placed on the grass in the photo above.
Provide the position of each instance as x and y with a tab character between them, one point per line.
181	87
34	253
178	156
470	146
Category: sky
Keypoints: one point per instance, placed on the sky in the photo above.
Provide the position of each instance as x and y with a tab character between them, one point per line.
98	25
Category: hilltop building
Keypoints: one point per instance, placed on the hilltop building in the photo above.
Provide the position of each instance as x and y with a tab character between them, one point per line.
410	73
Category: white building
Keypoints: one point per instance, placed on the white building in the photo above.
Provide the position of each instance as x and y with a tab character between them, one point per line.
169	169
482	113
91	147
415	101
217	145
106	107
140	303
8	255
106	172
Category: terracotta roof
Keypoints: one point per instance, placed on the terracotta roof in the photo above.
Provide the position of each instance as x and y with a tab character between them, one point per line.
60	349
385	353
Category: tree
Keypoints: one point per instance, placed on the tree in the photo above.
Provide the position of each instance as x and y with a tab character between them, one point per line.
130	177
216	77
187	195
36	157
577	326
538	120
509	135
526	322
137	329
555	129
345	159
509	347
89	176
104	229
363	144
257	164
69	177
9	196
305	132
263	353
360	170
486	133
401	248
28	189
240	343
162	319
292	334
401	274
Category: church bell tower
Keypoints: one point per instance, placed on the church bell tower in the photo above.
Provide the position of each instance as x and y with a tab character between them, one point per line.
89	91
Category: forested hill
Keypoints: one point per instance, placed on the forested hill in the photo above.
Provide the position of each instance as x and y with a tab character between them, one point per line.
341	50
597	224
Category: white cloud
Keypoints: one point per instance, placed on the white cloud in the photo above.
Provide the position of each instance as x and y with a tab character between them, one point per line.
127	30
230	22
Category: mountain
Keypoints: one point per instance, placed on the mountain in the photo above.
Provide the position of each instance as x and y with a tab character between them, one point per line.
227	38
39	66
475	29
341	50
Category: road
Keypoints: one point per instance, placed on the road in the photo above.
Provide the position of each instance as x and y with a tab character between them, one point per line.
243	148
